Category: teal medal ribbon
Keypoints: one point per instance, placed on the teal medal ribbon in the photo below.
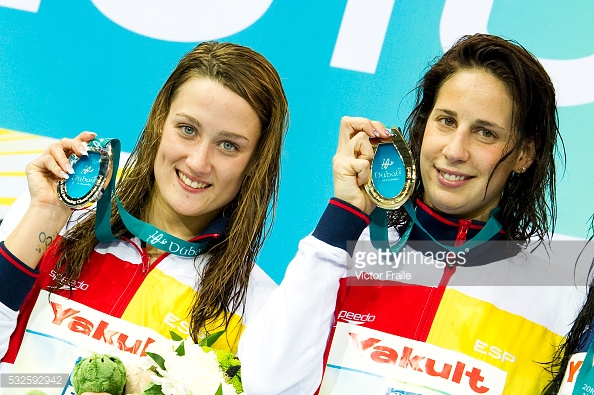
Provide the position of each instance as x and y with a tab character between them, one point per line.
158	238
144	231
585	377
103	211
379	230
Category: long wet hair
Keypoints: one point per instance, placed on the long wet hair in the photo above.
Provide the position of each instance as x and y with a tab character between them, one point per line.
223	281
528	201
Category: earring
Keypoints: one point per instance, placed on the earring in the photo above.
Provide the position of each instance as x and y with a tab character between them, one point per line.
522	169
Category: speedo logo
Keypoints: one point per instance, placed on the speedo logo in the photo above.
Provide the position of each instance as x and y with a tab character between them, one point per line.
356	319
74	284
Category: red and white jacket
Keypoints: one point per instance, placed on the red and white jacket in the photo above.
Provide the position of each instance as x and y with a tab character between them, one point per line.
499	332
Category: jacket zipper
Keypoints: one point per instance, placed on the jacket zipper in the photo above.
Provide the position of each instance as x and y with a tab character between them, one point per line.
462	231
448	272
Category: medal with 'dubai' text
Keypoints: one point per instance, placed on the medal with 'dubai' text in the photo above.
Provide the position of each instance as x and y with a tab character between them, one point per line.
393	172
90	178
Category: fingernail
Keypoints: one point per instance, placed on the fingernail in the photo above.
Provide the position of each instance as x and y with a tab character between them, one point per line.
376	133
64	175
69	168
93	133
84	150
387	132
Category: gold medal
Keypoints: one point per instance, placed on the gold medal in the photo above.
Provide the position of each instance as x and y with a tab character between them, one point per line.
393	173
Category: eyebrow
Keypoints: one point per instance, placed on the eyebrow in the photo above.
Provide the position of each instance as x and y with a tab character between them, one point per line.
481	122
231	135
222	133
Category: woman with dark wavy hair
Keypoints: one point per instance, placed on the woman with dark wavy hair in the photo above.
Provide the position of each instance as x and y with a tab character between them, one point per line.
527	201
205	169
474	311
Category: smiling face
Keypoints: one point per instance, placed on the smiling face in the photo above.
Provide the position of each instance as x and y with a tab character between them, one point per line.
208	139
468	131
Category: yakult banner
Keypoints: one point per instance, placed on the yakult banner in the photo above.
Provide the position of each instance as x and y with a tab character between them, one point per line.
61	331
69	66
366	361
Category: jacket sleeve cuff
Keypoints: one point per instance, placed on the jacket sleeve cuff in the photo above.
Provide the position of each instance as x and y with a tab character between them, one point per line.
341	222
16	279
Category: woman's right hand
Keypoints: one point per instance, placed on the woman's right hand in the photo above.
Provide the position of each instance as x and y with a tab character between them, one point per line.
352	161
53	165
46	215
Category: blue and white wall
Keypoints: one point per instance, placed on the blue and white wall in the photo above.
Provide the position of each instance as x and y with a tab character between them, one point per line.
68	66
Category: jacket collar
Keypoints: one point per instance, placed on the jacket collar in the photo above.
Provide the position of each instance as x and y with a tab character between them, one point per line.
447	230
214	230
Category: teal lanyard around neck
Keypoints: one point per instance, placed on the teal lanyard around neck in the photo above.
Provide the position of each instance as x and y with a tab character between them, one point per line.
144	231
379	231
103	211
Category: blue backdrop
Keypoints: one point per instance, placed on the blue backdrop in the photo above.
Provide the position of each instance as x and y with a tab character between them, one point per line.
68	66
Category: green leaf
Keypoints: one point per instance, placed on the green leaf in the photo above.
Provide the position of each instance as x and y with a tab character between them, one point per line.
153	389
158	359
181	350
208	341
220	390
175	336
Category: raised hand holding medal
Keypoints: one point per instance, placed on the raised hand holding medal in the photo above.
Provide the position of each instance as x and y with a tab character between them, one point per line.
374	171
372	166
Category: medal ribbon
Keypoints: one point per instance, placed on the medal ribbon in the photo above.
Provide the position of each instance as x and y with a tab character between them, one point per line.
144	231
379	230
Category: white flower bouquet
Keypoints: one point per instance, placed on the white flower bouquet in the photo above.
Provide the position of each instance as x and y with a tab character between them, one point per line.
182	367
170	367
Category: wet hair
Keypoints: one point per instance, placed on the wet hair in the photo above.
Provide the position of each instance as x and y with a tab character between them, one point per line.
528	205
223	281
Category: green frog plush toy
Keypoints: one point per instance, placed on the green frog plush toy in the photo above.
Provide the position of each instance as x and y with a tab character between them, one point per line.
99	373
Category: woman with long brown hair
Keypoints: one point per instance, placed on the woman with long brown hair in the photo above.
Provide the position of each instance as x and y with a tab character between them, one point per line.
205	169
